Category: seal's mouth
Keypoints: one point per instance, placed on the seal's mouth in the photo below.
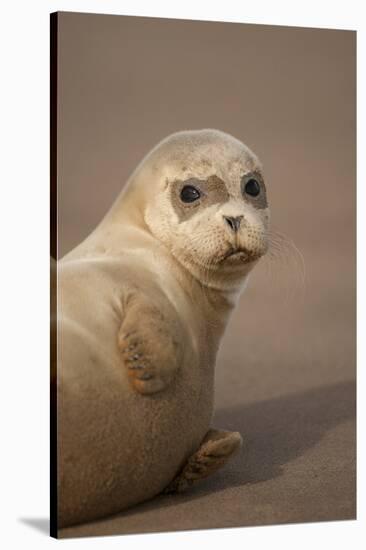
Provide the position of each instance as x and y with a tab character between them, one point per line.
240	254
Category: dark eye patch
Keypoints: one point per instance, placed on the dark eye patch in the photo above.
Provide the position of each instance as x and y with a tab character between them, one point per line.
183	194
254	190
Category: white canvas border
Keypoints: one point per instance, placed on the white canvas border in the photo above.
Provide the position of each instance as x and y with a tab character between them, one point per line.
24	177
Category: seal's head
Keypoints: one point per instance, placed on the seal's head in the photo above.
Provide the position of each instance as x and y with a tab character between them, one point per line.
203	196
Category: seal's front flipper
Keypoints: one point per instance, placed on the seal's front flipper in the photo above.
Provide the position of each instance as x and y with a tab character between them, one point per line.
216	449
149	341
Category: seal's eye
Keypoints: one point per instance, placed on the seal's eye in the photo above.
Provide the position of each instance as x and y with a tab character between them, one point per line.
252	188
189	193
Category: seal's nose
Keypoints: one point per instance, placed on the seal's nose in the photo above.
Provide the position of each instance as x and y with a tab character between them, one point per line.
233	222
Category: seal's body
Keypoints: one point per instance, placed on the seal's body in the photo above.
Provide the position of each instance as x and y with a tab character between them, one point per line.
143	304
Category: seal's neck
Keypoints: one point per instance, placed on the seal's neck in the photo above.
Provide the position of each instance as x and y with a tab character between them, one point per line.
127	232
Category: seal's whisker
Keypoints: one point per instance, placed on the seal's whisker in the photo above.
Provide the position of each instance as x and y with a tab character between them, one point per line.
283	253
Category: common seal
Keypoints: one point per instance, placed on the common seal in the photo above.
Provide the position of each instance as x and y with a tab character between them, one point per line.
143	304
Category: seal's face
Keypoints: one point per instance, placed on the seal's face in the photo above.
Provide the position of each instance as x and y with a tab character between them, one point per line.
212	210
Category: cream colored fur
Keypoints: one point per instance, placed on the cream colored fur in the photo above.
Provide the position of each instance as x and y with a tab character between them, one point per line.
143	304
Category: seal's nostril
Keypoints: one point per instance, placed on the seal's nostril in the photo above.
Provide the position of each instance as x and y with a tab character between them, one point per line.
233	222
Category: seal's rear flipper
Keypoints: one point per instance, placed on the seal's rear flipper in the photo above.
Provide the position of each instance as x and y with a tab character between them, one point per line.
216	449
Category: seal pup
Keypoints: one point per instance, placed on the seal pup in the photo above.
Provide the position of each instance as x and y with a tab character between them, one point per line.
143	304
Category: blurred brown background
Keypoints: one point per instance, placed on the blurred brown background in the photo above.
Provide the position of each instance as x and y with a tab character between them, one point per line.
286	369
